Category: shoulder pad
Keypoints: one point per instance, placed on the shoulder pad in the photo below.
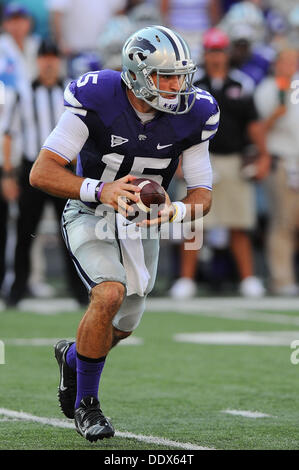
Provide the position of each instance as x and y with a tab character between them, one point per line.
91	91
207	113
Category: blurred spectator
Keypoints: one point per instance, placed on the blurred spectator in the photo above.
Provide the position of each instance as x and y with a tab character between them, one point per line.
83	63
144	15
278	106
244	13
77	24
251	30
130	4
277	26
226	5
233	205
253	60
8	71
293	19
3	226
136	16
18	49
111	41
38	112
284	7
191	18
17	44
38	10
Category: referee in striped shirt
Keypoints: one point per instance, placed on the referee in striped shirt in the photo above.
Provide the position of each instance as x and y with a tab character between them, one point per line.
37	109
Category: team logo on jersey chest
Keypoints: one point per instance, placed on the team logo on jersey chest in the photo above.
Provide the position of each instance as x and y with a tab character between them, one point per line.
117	140
142	137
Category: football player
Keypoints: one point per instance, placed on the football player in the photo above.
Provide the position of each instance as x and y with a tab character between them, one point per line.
119	126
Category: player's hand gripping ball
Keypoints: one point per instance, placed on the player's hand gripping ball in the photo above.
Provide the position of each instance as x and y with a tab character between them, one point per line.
151	200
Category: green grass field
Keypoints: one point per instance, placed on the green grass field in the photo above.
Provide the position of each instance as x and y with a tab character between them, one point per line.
170	390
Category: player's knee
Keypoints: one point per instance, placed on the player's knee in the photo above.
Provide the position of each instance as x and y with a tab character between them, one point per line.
109	295
119	335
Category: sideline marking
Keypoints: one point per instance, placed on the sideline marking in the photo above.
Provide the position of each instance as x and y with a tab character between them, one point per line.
232	308
59	423
2	352
248	338
248	414
209	309
220	304
130	341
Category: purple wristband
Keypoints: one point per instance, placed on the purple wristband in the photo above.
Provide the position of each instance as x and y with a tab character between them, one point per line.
99	190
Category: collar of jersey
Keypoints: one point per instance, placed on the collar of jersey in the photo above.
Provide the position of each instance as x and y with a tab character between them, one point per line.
131	109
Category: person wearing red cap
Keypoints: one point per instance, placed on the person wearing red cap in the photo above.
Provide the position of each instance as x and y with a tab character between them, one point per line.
233	196
214	38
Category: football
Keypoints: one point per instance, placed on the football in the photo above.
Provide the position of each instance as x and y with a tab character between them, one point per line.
152	199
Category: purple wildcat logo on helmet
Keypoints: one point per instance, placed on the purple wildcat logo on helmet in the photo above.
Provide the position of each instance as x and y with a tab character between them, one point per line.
141	45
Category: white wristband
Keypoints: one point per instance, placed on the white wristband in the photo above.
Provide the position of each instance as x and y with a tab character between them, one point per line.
180	211
88	189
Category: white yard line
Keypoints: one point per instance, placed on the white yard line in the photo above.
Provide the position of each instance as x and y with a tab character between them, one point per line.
49	306
248	414
259	317
59	423
248	338
230	309
209	306
223	303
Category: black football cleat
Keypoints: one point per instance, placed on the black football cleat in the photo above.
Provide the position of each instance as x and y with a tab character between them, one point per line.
90	421
67	388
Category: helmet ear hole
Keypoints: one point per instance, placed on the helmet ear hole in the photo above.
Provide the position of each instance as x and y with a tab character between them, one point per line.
133	75
141	56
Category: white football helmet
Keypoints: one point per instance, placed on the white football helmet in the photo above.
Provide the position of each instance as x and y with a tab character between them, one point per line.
157	49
